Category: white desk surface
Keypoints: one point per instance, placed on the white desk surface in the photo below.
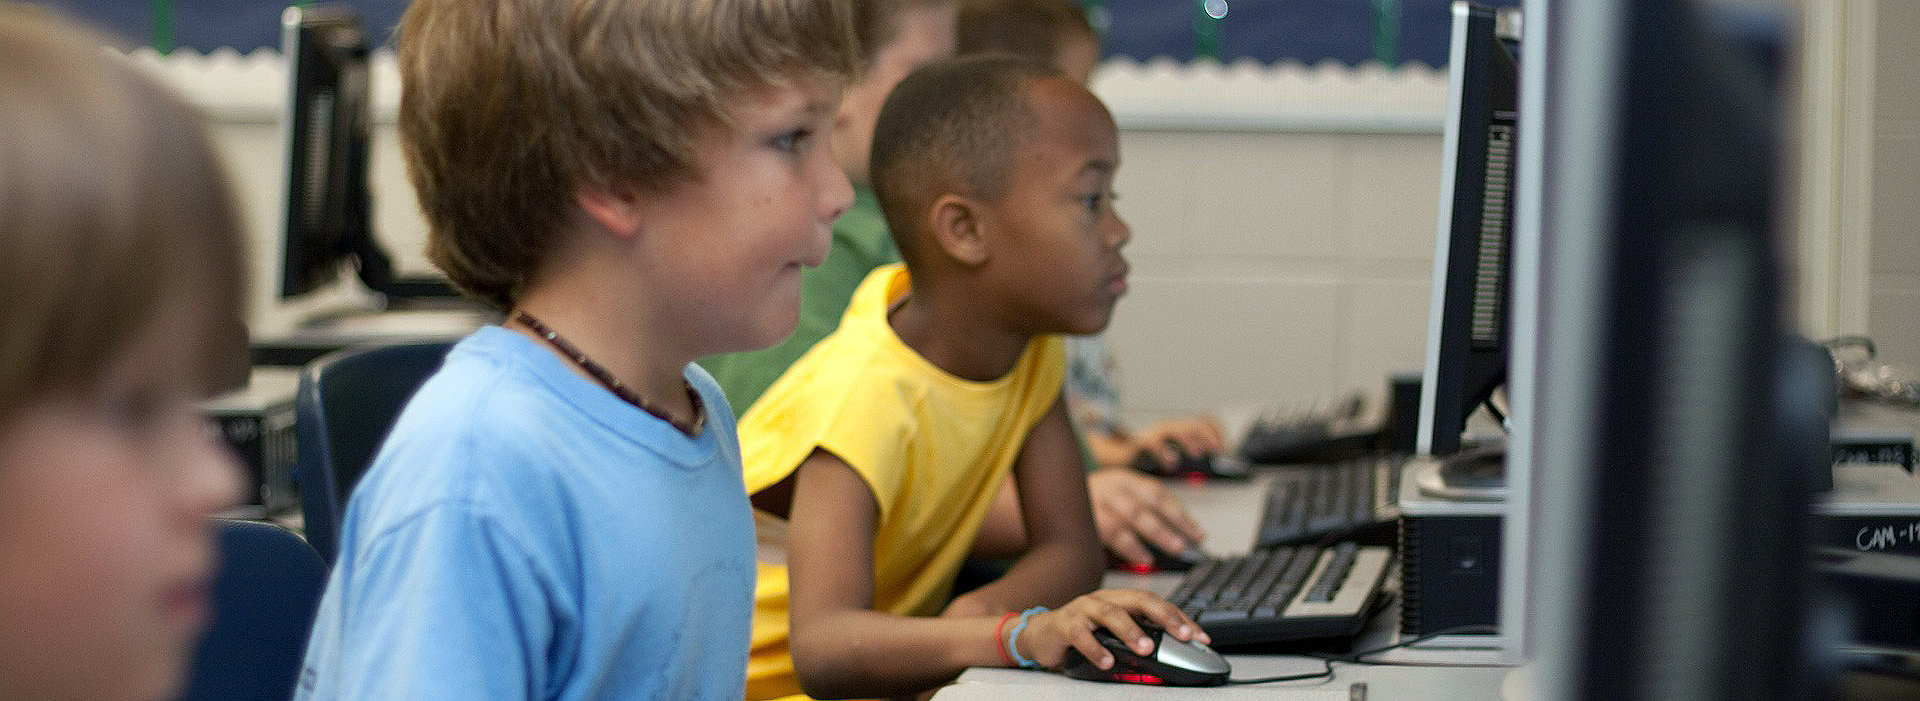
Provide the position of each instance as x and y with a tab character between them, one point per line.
1350	683
1229	511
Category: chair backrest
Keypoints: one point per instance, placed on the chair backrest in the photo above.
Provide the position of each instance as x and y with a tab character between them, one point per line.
346	402
264	596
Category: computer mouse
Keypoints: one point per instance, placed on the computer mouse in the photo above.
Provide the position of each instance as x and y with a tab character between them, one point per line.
1163	561
1173	662
1188	465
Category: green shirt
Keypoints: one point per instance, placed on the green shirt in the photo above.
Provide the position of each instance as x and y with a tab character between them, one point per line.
860	244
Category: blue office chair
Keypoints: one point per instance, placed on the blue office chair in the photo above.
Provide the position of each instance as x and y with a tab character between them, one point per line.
264	597
346	402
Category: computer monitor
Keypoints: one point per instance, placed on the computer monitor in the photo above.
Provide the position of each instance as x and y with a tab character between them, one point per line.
329	210
1467	321
1669	430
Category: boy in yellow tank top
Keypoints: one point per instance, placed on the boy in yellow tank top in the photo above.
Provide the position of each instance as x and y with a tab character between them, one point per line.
875	457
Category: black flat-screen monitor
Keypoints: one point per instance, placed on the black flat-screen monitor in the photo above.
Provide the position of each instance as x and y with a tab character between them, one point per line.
329	210
1671	428
1467	322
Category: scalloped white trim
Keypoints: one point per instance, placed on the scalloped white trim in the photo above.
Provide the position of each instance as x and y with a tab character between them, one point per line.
1287	96
252	87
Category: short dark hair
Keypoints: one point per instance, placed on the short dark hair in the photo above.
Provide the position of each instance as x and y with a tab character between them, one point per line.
876	23
1031	28
951	126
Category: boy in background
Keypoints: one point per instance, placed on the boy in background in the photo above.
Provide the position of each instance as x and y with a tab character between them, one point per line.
123	273
558	512
882	448
1054	31
898	36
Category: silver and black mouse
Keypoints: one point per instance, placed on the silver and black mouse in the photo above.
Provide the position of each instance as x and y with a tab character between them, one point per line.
1174	662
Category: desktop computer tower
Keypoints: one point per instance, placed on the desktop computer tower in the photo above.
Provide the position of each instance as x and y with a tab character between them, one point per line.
1450	545
1868	531
1449	554
1871	508
256	421
1870	501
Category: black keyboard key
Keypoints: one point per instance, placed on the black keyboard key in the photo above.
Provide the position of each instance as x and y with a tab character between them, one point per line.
1339	566
1234	612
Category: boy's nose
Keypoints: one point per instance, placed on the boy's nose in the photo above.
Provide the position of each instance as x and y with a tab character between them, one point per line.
211	479
1120	233
837	195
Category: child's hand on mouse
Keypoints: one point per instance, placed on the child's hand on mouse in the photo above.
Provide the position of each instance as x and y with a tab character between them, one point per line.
1168	440
1121	611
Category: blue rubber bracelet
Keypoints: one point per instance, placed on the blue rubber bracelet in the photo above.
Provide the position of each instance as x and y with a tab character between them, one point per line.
1013	638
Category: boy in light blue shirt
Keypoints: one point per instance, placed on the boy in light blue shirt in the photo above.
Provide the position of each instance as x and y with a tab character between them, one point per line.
528	535
558	513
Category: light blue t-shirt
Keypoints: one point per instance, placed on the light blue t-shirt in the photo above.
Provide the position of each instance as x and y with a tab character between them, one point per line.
524	534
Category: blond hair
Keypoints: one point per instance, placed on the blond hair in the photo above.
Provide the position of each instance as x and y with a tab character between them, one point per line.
508	106
112	204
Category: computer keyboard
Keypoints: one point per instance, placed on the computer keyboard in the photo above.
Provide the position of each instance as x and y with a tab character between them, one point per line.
1314	430
1285	593
1310	504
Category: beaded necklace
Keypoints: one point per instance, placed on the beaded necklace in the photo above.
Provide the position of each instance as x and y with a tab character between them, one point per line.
691	428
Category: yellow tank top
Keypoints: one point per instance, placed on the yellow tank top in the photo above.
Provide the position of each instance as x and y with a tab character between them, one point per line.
934	448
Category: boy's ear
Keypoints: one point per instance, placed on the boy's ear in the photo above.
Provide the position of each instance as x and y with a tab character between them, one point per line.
959	229
617	212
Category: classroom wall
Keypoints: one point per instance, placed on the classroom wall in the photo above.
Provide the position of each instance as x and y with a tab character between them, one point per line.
1283	223
1858	203
1893	181
1283	215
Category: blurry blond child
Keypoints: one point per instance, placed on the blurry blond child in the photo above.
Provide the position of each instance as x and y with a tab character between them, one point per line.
883	447
558	512
121	267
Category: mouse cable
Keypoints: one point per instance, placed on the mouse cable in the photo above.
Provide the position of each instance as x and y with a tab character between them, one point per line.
1326	672
1356	657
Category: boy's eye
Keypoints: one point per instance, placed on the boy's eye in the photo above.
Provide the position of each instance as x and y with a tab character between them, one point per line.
792	141
149	409
135	409
1092	201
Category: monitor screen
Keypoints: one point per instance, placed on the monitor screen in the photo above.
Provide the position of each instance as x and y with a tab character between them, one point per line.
1669	430
328	213
1467	322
